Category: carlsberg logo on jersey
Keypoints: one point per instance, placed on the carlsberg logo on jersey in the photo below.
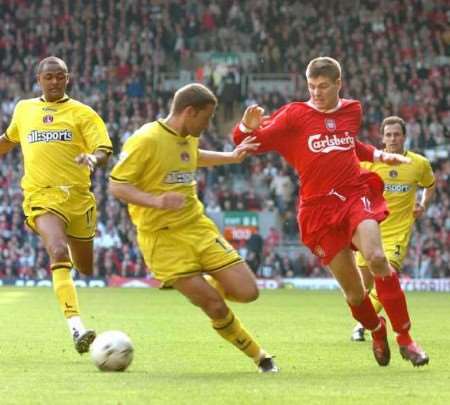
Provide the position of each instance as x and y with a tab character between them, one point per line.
319	143
49	136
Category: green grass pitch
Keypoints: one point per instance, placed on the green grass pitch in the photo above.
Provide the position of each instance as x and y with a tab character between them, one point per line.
180	360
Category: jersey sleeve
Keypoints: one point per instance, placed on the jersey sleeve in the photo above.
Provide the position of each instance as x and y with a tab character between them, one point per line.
271	131
427	179
95	132
364	151
12	132
133	160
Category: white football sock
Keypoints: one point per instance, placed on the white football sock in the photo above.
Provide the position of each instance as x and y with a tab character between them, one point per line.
75	325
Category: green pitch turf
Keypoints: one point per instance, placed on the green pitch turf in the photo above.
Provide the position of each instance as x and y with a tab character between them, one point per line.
180	360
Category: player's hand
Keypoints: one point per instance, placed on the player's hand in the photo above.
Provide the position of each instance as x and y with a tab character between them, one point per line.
171	200
253	116
393	158
87	159
244	148
418	210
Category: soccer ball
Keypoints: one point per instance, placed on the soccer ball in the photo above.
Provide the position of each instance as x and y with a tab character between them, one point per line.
112	351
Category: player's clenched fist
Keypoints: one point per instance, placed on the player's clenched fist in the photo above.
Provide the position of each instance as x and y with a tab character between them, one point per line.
170	201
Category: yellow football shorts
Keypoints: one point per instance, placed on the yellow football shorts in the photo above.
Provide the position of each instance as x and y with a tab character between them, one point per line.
77	208
186	251
395	249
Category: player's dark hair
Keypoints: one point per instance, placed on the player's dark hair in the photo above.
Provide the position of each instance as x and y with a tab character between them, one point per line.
51	60
391	121
195	95
324	66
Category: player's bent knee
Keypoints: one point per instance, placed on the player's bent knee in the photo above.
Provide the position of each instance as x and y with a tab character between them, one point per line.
377	260
215	308
355	298
58	252
249	295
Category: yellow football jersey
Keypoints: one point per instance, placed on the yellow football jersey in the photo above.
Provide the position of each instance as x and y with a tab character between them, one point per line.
52	135
156	159
400	186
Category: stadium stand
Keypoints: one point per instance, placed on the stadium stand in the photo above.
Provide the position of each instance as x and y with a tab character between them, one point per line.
127	56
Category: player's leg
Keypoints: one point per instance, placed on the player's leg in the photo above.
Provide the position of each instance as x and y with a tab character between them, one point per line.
358	332
81	232
349	278
368	240
236	283
227	271
224	321
82	252
51	228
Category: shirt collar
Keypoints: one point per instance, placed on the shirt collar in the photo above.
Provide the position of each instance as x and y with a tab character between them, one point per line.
63	99
338	105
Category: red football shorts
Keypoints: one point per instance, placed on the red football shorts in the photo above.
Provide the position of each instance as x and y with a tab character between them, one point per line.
328	223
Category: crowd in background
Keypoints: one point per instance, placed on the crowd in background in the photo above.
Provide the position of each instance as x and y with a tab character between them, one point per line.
395	56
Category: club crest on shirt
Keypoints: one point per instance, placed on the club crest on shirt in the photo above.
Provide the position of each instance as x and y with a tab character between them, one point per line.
184	156
393	173
330	124
47	119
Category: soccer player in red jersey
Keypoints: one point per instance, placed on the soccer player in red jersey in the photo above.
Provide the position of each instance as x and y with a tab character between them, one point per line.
340	205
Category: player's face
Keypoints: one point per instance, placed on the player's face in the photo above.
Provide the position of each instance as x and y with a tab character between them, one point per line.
198	120
394	138
53	80
324	92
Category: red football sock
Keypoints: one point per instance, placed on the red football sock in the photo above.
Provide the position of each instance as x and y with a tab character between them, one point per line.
365	314
394	303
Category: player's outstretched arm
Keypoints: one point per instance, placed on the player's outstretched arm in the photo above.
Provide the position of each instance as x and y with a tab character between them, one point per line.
269	131
391	158
130	194
6	145
368	153
208	158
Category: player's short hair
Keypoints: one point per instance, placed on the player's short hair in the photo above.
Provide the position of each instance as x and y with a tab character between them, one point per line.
391	121
324	66
51	60
195	95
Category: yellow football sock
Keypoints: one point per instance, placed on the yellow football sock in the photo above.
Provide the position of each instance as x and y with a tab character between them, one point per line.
65	289
231	329
375	301
214	283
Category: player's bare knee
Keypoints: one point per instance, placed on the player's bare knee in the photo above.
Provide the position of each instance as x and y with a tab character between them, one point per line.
58	252
215	308
377	261
249	295
355	298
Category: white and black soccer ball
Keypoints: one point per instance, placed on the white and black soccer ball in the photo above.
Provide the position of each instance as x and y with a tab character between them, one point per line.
112	351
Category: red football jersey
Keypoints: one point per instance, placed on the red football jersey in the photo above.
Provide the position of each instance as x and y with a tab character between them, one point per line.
321	146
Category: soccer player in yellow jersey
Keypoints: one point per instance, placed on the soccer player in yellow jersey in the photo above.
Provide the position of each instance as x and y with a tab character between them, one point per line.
400	186
155	175
62	140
